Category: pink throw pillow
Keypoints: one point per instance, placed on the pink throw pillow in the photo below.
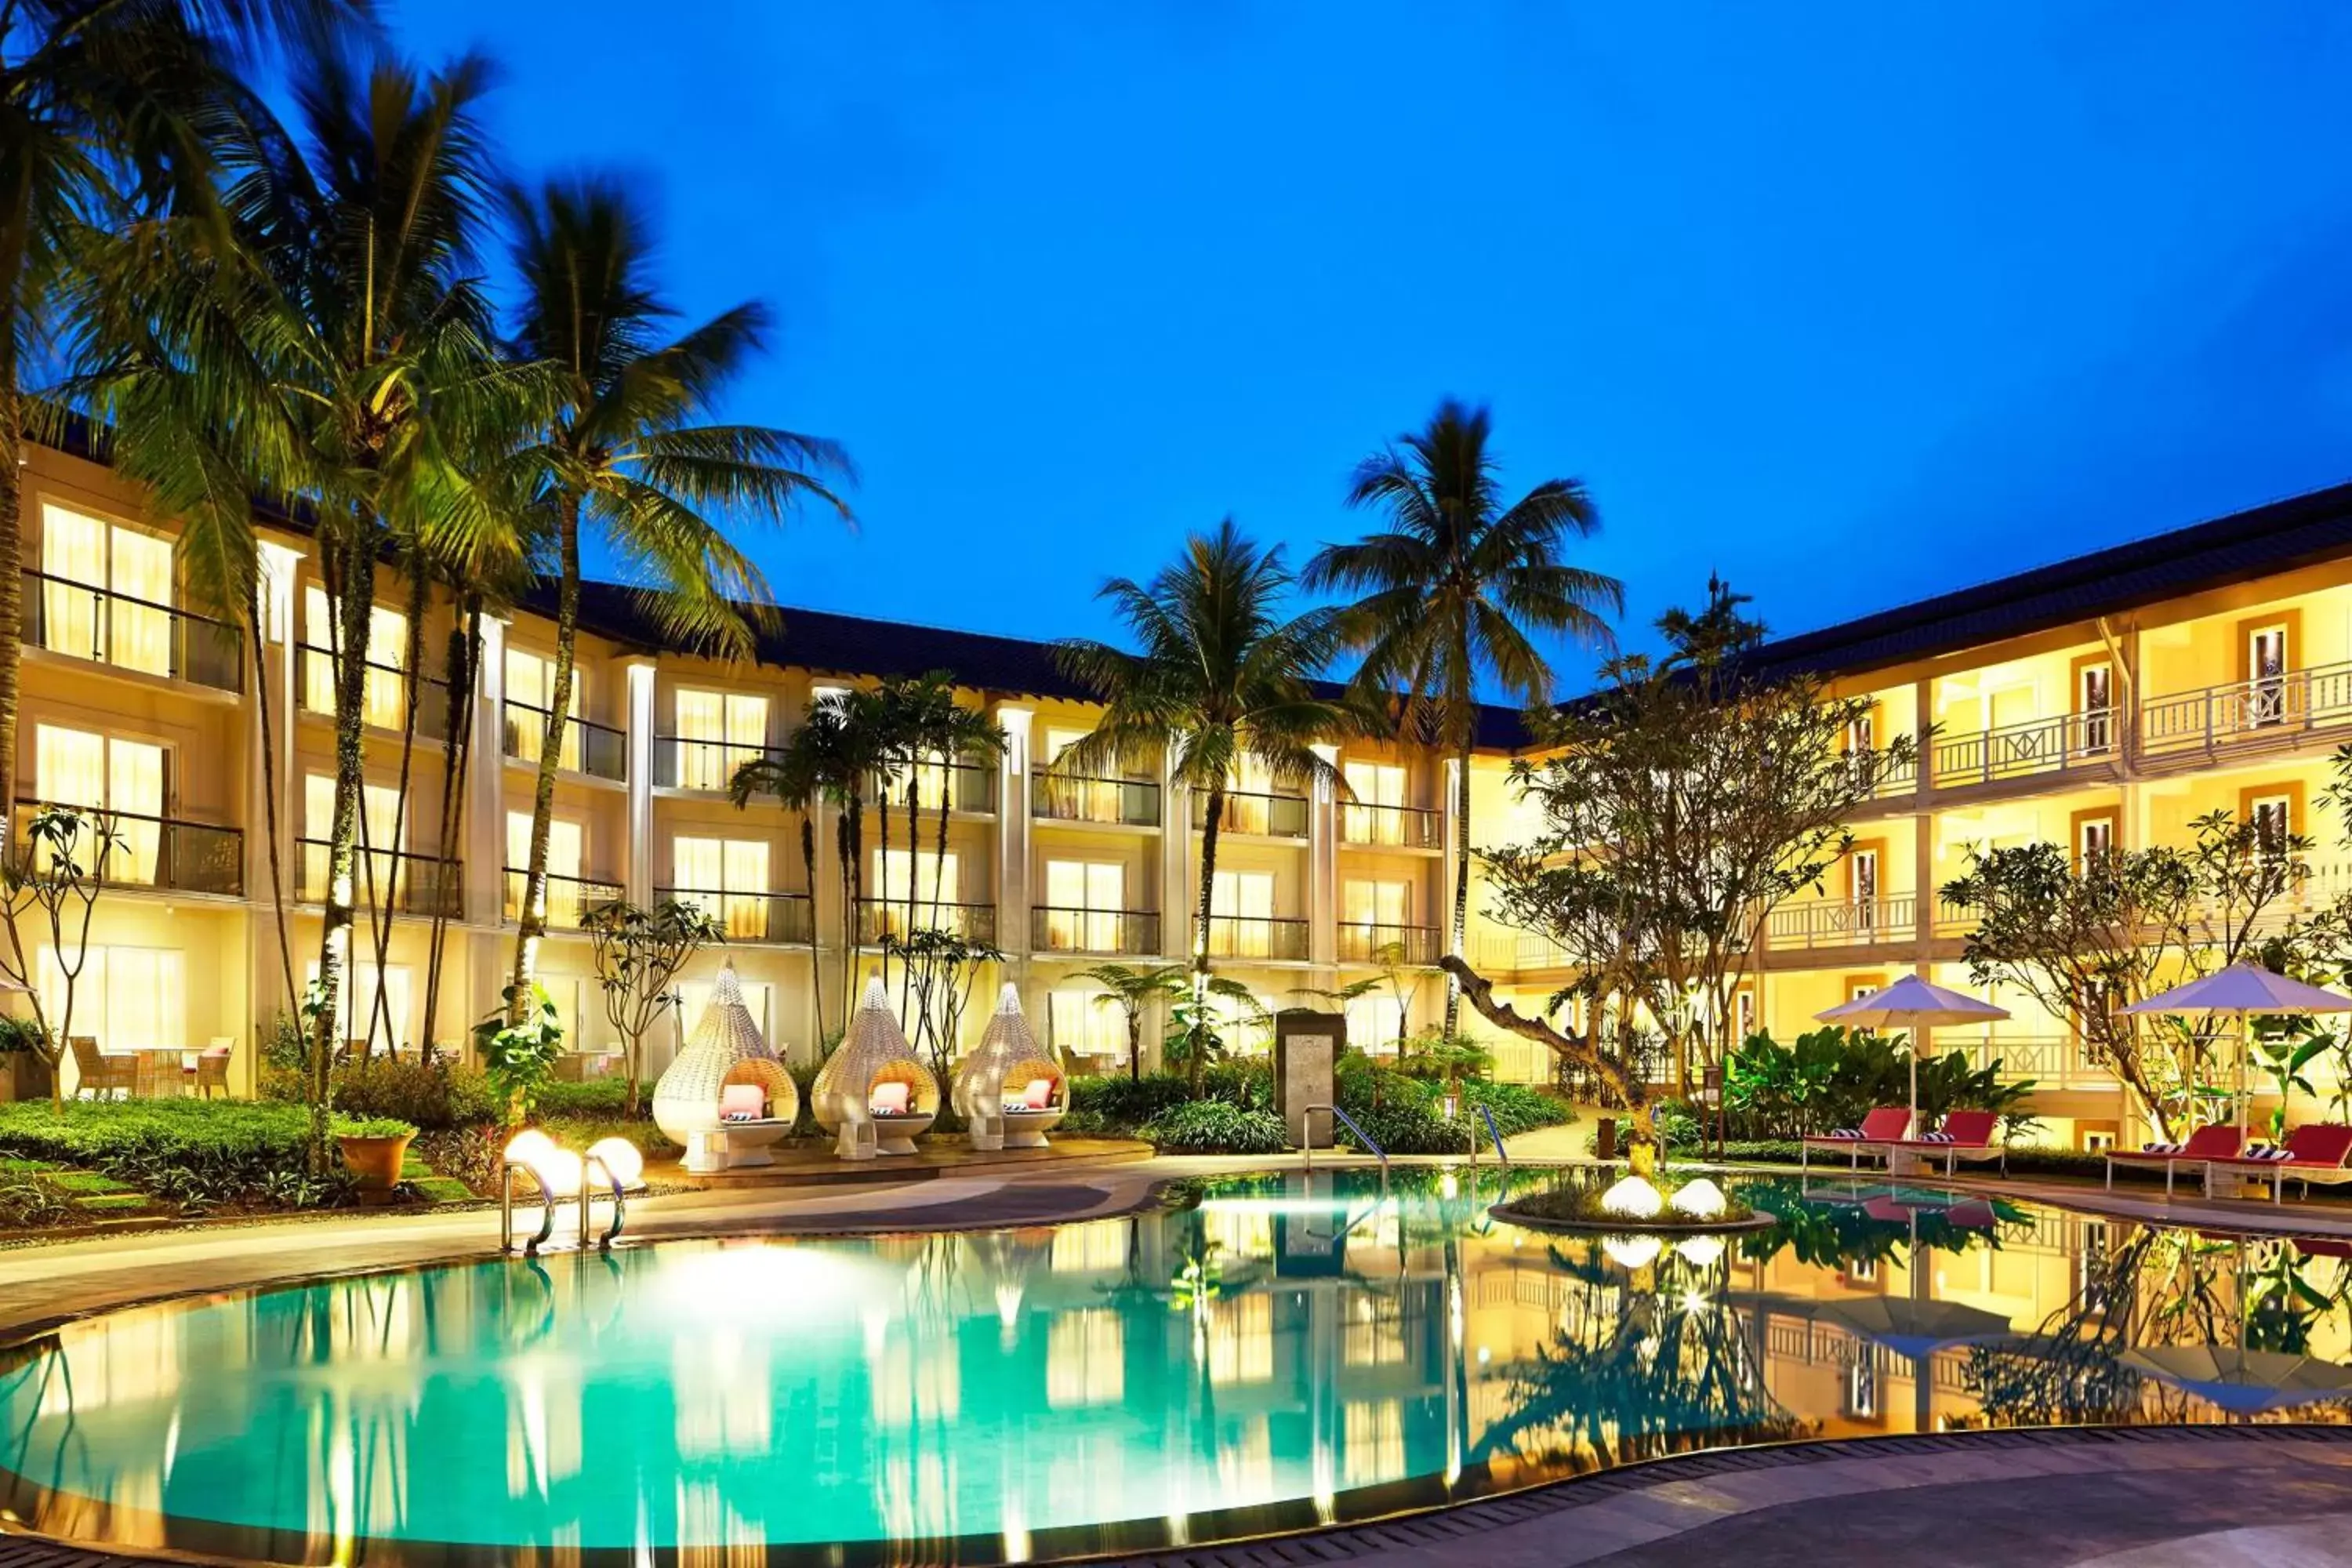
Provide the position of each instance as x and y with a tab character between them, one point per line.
1039	1095
888	1100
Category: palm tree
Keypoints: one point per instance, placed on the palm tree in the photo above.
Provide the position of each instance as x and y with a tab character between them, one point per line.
632	455
104	114
1450	592
1220	676
1131	990
333	349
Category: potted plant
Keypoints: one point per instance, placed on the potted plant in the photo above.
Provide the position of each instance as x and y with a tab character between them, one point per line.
374	1148
28	1070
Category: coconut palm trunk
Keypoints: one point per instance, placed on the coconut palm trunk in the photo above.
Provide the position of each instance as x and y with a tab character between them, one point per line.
459	668
384	900
531	920
355	599
1459	932
1194	1060
808	869
12	556
254	623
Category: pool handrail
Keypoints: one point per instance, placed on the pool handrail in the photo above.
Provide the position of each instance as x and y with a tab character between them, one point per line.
1306	1144
1491	1132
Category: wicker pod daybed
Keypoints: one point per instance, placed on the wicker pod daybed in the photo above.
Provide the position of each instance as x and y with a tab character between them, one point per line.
873	1094
1010	1090
726	1099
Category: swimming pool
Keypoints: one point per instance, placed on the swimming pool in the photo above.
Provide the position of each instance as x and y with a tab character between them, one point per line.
1284	1352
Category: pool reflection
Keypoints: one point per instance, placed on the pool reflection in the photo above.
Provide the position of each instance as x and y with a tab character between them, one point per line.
1281	1344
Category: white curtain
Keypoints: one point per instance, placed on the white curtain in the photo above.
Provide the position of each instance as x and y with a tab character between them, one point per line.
128	998
563	843
1243	901
1374	786
699	872
702	736
73	547
1078	1022
68	766
319	636
387	651
1085	898
745	876
134	784
355	1004
141	635
531	683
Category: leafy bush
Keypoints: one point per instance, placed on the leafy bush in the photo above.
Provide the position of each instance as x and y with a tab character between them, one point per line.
597	1097
441	1095
1217	1127
1518	1108
1831	1077
19	1036
579	1132
1403	1126
31	1202
370	1127
1119	1105
197	1152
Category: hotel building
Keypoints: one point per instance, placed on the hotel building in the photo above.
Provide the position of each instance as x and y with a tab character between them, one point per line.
2106	700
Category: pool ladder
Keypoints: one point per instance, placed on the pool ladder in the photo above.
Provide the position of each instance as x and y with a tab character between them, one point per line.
1306	1126
1487	1113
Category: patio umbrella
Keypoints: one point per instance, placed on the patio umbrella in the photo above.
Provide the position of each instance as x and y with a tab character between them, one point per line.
2243	1381
1916	1327
2244	990
1912	1004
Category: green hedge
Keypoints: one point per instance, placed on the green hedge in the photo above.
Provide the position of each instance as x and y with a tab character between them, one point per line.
1217	1127
1406	1120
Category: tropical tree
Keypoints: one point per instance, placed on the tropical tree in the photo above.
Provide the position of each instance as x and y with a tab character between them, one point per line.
107	111
633	455
1220	677
639	953
1132	990
333	350
1453	593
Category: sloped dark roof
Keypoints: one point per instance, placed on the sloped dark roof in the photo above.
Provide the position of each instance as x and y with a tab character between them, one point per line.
2301	531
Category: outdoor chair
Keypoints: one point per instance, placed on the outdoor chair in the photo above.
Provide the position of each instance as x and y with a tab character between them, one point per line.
1880	1130
2214	1141
2316	1151
1962	1135
210	1069
103	1072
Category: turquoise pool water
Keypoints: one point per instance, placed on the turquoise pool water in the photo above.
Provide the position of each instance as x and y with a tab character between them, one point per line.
1284	1352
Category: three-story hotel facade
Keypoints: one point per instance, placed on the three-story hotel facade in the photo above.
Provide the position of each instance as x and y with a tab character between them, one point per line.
2107	700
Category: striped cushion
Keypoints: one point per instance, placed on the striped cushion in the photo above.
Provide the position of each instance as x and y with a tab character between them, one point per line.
2162	1148
1843	1133
2266	1152
1935	1137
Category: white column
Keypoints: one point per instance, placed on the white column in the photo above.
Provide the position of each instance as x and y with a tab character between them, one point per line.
266	983
1178	894
639	675
1013	868
486	813
1323	871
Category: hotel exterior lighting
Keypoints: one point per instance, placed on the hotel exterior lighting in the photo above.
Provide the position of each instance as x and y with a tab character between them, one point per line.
1701	1199
1634	1197
623	1166
1633	1251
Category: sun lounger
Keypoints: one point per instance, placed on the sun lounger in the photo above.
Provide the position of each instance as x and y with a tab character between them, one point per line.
2215	1141
1880	1130
2316	1151
1963	1135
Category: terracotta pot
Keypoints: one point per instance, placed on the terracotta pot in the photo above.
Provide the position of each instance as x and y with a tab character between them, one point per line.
375	1161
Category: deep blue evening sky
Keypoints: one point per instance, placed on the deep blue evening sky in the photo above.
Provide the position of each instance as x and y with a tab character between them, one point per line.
1853	303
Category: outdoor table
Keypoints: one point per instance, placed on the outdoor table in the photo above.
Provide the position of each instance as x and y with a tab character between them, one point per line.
163	1070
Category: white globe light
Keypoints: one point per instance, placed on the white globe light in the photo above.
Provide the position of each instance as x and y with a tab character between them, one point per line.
1701	1199
620	1160
1704	1251
528	1147
1633	1198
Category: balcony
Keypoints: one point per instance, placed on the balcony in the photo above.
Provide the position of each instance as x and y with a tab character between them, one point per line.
1391	826
1132	802
1504	951
1262	815
681	762
2276	710
159	852
1841	922
384	703
1386	944
409	884
597	749
2022	750
1123	932
878	919
569	898
969	786
753	917
1894	776
1257	936
2051	1061
82	621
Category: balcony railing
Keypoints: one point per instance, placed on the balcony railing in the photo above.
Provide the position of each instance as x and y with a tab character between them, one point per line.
880	918
1135	802
1257	936
410	884
2051	1062
384	704
1500	951
1893	776
753	917
1094	930
597	749
568	900
680	762
1361	943
1840	922
2038	746
1403	826
87	621
970	786
153	851
2247	711
1264	815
